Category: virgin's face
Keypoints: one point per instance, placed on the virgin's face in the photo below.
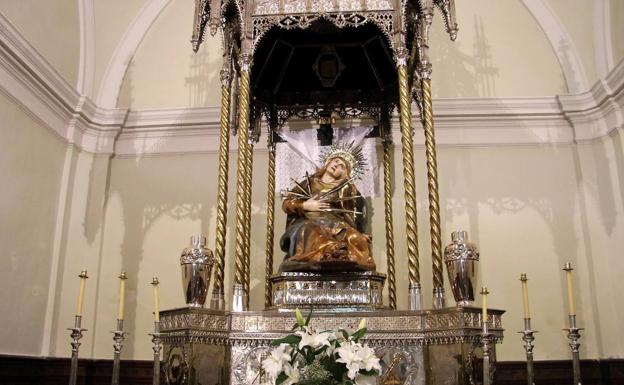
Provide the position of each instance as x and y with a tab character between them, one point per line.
337	168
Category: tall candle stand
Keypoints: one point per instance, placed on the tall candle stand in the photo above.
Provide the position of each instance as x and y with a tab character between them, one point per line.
528	338
574	336
118	336
76	335
486	340
157	347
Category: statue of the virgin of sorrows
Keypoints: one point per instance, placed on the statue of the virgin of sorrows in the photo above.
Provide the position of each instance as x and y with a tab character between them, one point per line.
324	228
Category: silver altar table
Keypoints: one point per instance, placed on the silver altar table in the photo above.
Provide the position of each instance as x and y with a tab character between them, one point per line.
430	347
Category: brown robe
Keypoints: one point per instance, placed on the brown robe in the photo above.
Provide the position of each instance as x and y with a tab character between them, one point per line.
319	240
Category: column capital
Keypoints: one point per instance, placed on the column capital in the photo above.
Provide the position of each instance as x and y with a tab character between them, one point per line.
400	56
245	62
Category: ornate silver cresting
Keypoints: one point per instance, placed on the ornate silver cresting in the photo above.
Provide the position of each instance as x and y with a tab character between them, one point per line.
118	336
156	341
461	259
574	335
76	335
196	263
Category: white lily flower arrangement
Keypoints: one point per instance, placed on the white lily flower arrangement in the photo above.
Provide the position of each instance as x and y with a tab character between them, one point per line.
308	357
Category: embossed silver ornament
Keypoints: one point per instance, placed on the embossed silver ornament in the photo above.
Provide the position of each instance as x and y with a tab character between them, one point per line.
461	259
196	263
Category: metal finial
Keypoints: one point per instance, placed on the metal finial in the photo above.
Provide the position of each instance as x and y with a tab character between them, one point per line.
155	281
523	277
83	274
484	291
123	275
567	267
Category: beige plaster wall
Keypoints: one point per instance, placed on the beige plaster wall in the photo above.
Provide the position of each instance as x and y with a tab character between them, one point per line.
500	51
617	27
602	185
112	18
52	28
577	17
81	249
31	164
523	205
165	72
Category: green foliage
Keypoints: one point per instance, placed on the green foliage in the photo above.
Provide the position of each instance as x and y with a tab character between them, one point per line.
290	340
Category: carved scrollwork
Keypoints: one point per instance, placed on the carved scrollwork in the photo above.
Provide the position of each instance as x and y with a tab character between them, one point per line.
262	24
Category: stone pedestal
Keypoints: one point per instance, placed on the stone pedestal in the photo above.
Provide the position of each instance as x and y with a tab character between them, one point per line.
431	347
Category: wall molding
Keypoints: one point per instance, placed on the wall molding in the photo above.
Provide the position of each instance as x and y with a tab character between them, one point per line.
562	44
86	66
603	43
125	50
34	85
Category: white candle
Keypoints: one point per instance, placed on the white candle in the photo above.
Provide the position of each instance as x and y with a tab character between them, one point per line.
568	269
155	297
122	295
83	280
484	294
525	295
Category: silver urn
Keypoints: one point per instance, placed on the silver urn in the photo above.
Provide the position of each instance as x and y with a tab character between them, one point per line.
196	263
461	259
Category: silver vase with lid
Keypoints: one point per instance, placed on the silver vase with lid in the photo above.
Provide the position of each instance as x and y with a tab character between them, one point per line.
461	259
196	263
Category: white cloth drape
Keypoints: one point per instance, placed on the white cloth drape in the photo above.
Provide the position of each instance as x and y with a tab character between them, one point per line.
300	154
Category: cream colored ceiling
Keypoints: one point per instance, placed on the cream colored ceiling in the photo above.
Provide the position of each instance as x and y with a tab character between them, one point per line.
503	48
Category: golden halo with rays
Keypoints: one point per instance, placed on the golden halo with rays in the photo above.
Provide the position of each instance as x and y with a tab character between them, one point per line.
350	153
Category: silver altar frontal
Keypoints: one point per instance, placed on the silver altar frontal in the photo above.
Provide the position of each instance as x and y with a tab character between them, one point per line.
421	347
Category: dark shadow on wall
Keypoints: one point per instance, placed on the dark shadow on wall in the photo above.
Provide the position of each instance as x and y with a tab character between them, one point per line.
202	78
149	192
484	69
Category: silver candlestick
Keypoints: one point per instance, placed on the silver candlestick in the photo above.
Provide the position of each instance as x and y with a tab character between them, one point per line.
76	335
157	347
486	340
527	337
118	337
574	336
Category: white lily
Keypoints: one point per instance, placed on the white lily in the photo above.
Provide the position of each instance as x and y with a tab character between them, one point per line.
368	358
274	363
314	340
347	354
293	373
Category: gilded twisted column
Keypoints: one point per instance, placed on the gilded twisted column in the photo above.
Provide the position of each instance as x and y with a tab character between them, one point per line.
242	217
408	169
387	164
222	190
270	227
434	198
247	195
